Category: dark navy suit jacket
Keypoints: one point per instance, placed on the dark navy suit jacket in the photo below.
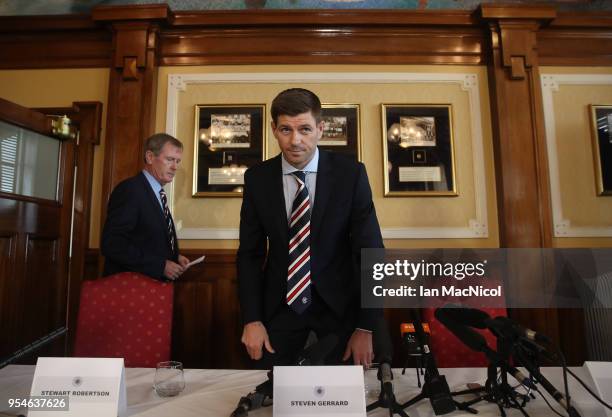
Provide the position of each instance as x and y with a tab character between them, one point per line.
135	236
343	222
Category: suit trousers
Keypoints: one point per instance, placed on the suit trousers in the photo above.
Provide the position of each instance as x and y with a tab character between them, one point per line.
289	331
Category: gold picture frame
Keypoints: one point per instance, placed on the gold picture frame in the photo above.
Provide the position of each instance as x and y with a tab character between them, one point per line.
418	150
228	139
601	134
342	132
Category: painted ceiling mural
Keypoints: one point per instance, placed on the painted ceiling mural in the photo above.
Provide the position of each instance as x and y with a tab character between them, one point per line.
42	7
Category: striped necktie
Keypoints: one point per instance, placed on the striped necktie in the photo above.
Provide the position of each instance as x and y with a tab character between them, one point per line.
169	223
298	274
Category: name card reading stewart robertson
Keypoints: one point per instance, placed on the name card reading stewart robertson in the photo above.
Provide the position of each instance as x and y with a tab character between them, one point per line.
94	387
319	390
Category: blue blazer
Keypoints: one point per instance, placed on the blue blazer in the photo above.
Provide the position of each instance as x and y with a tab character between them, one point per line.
343	222
135	237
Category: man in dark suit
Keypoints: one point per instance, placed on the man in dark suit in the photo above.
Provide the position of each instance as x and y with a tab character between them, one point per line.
139	232
306	214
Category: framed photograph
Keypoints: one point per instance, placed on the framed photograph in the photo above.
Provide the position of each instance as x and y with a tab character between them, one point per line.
419	157
228	140
341	131
601	123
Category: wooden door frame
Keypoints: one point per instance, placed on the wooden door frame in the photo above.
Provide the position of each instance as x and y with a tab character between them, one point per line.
87	116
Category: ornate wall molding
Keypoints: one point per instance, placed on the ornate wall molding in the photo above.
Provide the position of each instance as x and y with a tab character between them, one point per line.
550	84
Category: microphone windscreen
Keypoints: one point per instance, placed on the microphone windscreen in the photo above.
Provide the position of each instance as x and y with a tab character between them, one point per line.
469	316
469	337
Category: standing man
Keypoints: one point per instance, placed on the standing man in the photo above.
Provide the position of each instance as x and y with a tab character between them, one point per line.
139	234
306	214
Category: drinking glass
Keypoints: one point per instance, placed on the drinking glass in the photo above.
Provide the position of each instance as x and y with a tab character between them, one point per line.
169	379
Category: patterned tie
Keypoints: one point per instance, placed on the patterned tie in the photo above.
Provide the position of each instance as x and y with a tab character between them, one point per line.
169	224
298	274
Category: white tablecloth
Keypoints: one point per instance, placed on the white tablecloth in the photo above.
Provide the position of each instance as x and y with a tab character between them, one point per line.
216	392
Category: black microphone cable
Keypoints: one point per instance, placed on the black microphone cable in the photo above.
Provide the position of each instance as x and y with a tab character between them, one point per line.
589	390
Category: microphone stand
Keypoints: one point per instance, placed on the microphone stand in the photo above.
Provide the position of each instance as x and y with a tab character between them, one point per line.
435	388
386	398
497	391
261	397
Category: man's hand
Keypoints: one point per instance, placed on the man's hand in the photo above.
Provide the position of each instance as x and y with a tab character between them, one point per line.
172	270
183	261
254	336
360	347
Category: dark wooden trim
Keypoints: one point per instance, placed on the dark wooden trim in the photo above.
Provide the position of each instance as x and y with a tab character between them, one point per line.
24	117
322	18
316	45
19	197
440	37
601	20
517	11
55	49
131	12
131	102
575	46
87	117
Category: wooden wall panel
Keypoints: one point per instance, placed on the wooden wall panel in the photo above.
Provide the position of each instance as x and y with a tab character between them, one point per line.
206	324
315	45
44	297
53	42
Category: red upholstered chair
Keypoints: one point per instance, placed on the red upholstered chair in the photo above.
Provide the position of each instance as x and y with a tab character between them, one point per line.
125	315
449	351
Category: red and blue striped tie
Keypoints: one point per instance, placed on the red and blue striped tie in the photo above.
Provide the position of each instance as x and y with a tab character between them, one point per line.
298	274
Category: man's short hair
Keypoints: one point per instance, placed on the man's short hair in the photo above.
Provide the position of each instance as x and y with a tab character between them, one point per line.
156	142
295	101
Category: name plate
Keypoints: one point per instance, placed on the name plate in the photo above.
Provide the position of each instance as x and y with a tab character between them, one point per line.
93	387
319	390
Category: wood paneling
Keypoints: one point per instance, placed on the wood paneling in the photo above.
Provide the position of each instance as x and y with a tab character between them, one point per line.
324	18
317	45
53	42
523	195
299	36
132	91
36	234
207	325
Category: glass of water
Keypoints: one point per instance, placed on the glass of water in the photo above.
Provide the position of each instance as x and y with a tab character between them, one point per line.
169	379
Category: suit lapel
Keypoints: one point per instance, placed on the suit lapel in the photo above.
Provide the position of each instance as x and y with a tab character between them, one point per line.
278	199
322	192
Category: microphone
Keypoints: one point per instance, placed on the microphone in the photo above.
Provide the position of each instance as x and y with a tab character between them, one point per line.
467	316
476	341
255	400
450	319
508	327
315	354
435	388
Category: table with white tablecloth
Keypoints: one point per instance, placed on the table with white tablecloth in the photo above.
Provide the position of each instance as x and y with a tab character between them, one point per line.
215	392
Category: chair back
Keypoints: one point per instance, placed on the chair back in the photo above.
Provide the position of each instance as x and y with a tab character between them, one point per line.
126	315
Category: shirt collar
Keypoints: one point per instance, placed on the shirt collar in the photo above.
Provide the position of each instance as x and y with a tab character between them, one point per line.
312	166
154	183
